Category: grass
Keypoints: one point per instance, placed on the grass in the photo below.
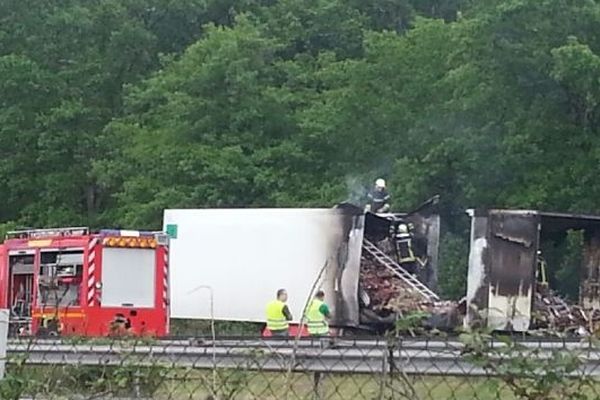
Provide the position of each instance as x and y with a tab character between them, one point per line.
199	327
178	384
273	386
165	383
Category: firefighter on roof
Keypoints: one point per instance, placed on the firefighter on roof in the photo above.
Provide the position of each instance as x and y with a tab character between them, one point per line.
379	198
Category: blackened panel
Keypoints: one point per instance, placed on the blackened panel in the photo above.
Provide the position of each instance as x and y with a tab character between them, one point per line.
513	243
343	270
426	239
590	283
478	273
377	228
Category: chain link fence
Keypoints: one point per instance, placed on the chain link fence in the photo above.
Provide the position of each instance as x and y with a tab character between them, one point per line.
473	366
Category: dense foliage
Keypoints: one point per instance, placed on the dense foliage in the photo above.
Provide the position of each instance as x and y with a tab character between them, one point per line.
112	110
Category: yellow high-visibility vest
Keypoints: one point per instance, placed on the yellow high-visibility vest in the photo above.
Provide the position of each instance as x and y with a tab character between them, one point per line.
315	320
276	320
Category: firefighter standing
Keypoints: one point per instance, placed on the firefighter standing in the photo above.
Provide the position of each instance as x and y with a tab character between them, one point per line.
317	315
379	198
278	315
404	247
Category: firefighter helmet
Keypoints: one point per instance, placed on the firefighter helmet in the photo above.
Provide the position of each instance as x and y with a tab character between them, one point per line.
380	183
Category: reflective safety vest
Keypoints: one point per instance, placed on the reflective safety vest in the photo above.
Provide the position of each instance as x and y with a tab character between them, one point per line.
405	250
315	320
276	320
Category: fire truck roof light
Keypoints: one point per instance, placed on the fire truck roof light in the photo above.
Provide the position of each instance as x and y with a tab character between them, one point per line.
129	241
124	232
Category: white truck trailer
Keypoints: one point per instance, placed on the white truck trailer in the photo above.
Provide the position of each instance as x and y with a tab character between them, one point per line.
236	259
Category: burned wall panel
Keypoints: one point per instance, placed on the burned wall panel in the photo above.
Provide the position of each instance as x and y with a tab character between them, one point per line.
513	243
426	240
590	282
478	270
342	275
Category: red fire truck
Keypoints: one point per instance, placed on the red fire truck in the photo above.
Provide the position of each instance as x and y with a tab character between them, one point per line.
71	281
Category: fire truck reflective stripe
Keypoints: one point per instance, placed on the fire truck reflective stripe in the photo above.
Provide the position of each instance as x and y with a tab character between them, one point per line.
91	265
59	315
166	278
39	243
91	270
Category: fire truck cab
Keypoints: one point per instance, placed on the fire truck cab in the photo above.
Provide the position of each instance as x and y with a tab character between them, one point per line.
70	281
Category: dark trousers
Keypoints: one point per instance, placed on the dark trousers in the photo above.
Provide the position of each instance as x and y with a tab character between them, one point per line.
282	333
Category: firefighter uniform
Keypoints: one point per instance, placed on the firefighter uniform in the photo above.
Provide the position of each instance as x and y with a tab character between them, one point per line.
378	198
277	322
315	318
404	244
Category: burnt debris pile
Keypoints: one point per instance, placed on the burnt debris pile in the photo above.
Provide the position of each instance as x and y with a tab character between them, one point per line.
389	293
392	286
554	314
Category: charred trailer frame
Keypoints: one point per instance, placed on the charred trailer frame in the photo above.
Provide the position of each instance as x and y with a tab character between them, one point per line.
343	275
503	259
425	233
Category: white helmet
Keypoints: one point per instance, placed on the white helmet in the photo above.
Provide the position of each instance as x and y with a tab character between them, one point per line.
380	183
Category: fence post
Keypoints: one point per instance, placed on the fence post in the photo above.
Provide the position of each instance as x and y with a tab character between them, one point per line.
316	384
384	375
4	315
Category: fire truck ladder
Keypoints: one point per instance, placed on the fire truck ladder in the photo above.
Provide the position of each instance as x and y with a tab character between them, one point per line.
399	271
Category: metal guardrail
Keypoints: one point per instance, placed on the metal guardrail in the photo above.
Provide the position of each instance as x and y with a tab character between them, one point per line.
412	357
263	369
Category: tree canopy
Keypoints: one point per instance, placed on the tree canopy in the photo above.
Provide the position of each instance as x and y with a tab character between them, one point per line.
111	111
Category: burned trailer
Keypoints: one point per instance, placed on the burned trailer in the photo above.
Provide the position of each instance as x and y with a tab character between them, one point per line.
506	286
358	259
411	239
397	272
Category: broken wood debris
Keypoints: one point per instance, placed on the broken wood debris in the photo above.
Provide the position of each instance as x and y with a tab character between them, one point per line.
390	294
553	314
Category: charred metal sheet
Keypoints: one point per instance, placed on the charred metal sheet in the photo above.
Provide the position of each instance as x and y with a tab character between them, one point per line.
378	227
560	222
478	273
503	262
513	244
426	221
590	282
342	275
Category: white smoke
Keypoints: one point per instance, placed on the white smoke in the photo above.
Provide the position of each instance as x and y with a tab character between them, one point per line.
357	190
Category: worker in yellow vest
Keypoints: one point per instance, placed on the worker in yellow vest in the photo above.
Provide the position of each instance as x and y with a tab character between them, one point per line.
278	315
317	314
